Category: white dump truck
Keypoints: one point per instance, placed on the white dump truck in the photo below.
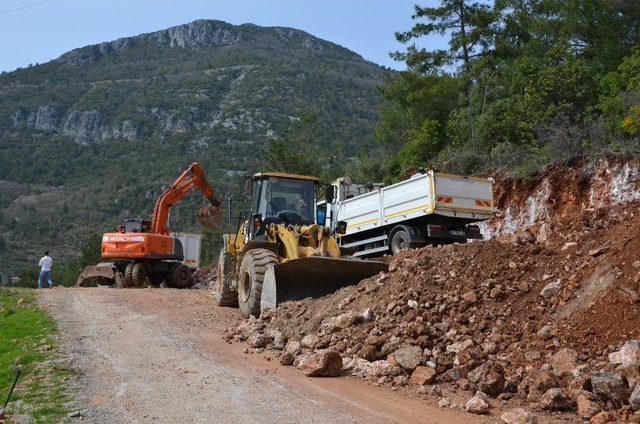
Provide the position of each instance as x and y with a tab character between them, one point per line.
429	208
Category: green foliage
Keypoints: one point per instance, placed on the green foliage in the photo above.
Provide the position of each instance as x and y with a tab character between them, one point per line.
297	151
469	25
523	83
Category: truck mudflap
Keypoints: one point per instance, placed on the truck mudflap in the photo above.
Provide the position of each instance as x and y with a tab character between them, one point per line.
313	276
470	232
105	273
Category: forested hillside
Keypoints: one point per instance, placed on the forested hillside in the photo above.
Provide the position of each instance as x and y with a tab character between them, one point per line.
92	137
522	83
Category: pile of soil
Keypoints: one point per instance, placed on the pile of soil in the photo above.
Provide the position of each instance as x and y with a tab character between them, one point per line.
203	277
529	317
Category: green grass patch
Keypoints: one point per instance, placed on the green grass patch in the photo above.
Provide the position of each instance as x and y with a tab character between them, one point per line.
27	342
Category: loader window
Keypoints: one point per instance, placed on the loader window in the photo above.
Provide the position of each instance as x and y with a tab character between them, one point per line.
290	200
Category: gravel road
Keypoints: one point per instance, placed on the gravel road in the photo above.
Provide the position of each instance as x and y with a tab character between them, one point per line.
157	355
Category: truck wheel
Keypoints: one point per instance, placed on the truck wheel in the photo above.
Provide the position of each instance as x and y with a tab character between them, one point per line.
400	241
139	275
223	293
252	270
128	275
181	277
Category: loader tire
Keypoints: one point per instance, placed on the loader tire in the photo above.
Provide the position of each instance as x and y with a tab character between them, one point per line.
223	293
128	275
139	276
252	269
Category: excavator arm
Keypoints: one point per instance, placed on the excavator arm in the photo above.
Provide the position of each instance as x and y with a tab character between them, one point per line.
192	178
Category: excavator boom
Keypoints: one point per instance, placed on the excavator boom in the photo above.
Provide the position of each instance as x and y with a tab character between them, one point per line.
193	177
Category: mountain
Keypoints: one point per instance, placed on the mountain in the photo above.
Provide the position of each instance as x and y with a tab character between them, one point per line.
91	137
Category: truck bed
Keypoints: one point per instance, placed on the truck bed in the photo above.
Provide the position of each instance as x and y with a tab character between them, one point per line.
448	195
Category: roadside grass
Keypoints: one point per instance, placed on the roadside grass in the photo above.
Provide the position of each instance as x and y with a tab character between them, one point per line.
27	342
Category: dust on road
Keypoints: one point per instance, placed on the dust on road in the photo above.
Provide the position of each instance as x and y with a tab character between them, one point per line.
158	355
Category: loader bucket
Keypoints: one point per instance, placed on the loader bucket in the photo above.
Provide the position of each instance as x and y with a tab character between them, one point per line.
313	276
105	273
210	217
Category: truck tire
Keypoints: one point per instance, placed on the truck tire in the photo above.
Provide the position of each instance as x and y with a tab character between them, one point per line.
223	293
400	240
139	275
181	277
128	275
252	269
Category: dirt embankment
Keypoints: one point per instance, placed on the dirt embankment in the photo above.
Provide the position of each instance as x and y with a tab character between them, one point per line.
529	317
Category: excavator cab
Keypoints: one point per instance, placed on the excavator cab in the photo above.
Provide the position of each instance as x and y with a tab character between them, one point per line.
135	226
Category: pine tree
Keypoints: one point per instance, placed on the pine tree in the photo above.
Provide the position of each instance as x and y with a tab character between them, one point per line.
469	25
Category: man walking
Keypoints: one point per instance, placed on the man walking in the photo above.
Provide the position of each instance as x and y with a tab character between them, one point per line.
45	270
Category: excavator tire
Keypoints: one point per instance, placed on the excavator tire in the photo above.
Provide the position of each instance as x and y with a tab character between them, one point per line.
223	293
139	275
180	277
128	275
252	269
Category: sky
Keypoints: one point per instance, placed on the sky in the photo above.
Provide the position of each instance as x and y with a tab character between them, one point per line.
41	30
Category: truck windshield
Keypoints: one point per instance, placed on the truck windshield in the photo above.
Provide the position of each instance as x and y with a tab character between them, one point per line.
291	196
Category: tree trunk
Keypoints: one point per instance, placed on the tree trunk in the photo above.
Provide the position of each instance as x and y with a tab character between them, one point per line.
463	36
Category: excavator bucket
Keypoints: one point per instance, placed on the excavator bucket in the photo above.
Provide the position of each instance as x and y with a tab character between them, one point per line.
105	273
313	276
210	217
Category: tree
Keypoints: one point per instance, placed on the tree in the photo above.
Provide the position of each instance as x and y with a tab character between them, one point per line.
298	151
469	25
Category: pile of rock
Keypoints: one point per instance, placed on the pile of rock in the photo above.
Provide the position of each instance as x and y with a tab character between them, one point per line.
487	319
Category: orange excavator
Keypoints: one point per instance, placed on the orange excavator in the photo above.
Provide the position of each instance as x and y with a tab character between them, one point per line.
144	252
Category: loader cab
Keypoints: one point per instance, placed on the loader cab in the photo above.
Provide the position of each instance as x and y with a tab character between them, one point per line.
135	226
278	198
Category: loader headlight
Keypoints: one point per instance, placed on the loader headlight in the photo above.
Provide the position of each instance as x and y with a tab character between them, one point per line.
342	227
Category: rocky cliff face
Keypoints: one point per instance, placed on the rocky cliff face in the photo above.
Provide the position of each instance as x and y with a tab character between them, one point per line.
190	79
195	35
83	126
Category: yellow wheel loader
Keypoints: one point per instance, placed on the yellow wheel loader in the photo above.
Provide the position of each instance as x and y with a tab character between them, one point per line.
280	252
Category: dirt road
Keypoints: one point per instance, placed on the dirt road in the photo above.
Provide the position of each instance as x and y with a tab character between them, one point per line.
158	356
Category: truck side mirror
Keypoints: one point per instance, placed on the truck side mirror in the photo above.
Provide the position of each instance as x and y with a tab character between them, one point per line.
330	194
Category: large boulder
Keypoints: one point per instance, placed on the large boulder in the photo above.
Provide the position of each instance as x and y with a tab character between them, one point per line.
550	290
488	378
564	361
634	399
587	407
423	375
259	340
629	355
341	322
479	404
535	384
408	357
610	387
556	400
291	350
383	369
519	416
324	363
